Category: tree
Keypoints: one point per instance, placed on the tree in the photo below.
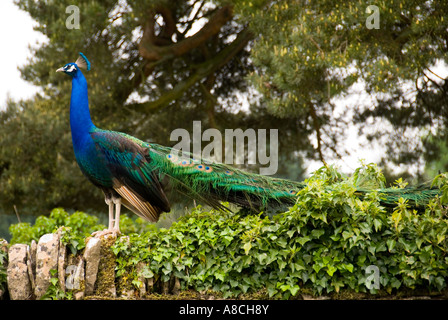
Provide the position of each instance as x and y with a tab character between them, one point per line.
318	51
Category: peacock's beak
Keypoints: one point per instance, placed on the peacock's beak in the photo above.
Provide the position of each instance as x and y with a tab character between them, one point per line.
60	70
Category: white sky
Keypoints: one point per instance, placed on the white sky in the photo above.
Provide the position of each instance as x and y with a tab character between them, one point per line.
17	34
16	30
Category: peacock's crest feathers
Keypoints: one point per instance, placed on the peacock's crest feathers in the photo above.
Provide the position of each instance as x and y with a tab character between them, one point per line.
83	62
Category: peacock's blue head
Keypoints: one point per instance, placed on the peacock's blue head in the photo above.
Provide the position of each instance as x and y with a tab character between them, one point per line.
73	67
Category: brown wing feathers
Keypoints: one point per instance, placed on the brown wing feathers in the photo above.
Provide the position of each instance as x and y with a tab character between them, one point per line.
137	204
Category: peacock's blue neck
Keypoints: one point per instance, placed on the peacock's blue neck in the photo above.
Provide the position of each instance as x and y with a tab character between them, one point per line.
80	121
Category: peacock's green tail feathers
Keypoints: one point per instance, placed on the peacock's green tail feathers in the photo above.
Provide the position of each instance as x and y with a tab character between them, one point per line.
213	182
415	195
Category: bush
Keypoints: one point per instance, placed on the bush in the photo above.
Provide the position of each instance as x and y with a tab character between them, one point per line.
326	242
77	226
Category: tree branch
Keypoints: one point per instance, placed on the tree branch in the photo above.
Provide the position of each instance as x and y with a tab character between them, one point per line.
317	129
154	53
150	51
191	22
203	70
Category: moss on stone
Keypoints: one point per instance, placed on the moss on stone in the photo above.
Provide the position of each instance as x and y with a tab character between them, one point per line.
105	283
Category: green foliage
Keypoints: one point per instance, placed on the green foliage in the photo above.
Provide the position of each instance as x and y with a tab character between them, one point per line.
441	181
3	263
370	177
328	46
324	243
139	225
54	291
76	227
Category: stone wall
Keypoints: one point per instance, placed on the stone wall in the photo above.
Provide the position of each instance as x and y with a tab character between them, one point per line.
31	269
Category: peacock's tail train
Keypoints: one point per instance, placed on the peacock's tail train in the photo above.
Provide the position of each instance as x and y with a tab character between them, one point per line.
213	182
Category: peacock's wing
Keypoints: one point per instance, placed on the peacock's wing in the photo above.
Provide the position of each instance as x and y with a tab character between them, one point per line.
212	182
133	175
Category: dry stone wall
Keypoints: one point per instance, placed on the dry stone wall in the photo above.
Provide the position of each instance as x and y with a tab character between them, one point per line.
31	269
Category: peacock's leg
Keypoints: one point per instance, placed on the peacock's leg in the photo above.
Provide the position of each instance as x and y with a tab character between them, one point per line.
113	223
110	203
117	202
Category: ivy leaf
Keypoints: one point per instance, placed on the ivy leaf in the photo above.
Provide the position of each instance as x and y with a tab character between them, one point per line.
294	289
147	273
377	224
440	282
262	258
316	233
317	267
349	267
303	240
247	246
54	281
331	270
395	283
281	264
390	244
290	233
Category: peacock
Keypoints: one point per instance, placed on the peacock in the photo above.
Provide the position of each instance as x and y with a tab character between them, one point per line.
139	175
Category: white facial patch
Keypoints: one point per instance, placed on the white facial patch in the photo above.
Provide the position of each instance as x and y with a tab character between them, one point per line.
71	68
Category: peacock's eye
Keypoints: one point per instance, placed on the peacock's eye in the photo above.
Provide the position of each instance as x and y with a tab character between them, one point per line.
70	68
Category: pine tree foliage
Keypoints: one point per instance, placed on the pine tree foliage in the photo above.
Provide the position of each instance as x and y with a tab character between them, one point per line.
310	54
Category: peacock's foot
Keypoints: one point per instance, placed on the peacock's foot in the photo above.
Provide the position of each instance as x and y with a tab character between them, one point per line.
114	232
